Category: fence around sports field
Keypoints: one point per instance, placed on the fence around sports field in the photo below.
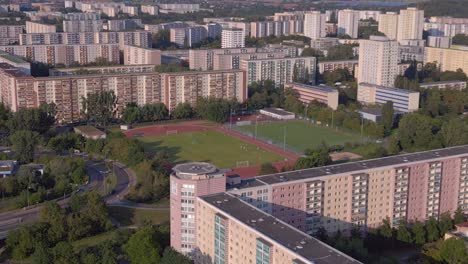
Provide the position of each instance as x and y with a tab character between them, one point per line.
236	127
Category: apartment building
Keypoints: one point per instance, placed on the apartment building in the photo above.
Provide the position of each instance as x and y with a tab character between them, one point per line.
329	66
439	42
19	90
308	93
9	34
220	59
261	29
124	24
188	181
150	9
144	68
410	24
82	22
446	26
280	70
135	38
378	61
229	230
110	11
323	44
407	187
65	54
348	23
455	85
188	36
448	59
232	38
370	14
130	10
403	100
179	8
138	55
35	27
388	24
314	25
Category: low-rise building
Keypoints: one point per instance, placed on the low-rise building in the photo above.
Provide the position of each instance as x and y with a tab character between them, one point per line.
323	94
403	100
8	168
90	132
456	85
329	66
278	113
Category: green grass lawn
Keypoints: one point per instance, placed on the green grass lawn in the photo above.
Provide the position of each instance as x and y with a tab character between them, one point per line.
130	216
299	134
211	146
92	241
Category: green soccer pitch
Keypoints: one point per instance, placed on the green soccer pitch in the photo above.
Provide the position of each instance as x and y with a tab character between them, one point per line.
215	147
300	135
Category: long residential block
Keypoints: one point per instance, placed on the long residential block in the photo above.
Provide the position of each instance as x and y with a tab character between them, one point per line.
19	90
134	38
407	187
65	54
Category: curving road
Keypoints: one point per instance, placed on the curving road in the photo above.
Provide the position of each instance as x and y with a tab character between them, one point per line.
96	171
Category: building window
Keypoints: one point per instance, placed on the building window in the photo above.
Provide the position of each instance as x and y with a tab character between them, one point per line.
263	252
220	240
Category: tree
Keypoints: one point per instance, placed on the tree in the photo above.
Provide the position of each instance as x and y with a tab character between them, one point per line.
311	52
142	247
41	255
24	144
388	116
99	107
454	133
460	39
171	256
458	217
267	168
20	242
131	114
419	233
63	253
445	223
418	132
182	111
453	251
403	233
385	229
432	230
314	158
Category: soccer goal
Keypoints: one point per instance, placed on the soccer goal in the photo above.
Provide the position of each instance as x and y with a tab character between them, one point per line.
171	132
245	163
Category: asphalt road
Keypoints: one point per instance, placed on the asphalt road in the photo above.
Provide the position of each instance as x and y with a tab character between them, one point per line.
97	172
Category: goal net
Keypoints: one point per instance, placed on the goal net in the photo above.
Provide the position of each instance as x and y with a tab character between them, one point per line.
171	132
242	163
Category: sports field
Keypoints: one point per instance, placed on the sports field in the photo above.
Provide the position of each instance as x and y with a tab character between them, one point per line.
299	134
211	146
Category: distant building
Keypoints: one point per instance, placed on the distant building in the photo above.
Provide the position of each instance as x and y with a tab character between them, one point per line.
187	182
323	94
137	56
388	24
16	61
455	85
314	25
150	9
280	70
410	24
378	61
130	10
232	38
9	34
348	22
90	132
34	27
439	42
323	44
403	100
330	66
278	113
448	59
8	168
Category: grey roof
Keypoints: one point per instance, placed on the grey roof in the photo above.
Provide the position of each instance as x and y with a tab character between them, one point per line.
353	167
326	89
372	111
296	241
389	88
278	111
441	82
195	168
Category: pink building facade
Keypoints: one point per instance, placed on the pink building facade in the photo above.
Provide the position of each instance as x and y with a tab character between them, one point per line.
188	181
408	187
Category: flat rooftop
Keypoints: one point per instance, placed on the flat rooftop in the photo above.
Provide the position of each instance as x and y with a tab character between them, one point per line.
326	89
89	131
12	70
296	241
278	111
354	167
195	168
12	58
389	88
441	82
